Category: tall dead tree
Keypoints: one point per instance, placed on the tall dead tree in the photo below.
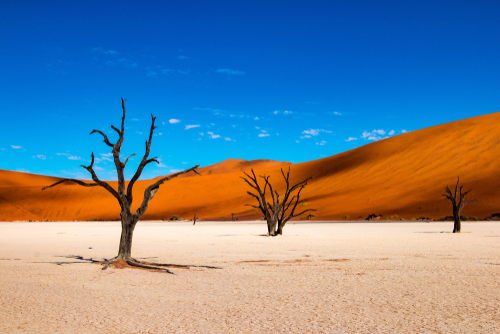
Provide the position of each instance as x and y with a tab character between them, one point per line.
282	207
124	193
457	200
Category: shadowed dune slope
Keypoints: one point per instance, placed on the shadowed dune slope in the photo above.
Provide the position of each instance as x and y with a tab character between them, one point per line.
403	175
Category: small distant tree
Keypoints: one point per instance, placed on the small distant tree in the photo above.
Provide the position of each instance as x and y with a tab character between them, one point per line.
457	200
281	209
124	196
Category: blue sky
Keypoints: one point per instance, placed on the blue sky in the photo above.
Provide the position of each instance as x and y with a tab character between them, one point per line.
281	80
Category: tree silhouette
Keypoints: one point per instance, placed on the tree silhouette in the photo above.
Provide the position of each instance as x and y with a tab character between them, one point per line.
457	200
124	194
280	210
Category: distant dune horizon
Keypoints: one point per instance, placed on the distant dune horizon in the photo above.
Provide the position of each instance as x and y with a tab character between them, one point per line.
403	175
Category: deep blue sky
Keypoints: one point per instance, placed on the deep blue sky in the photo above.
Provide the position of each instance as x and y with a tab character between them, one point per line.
282	80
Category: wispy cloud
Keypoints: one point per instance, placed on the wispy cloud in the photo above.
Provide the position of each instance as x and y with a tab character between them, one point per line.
135	119
404	131
263	134
351	139
40	156
315	132
16	147
321	143
227	138
74	157
173	121
376	134
107	52
228	71
183	57
191	126
256	118
212	135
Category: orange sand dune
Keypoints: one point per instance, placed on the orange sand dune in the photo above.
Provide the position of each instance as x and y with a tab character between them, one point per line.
403	175
234	165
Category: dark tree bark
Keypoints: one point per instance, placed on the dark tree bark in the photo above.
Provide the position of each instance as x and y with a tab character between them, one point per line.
125	196
457	200
281	209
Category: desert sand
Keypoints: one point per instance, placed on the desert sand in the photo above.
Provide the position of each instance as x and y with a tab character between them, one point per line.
404	175
317	278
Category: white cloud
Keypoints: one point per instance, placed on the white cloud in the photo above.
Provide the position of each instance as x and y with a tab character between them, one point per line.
375	138
404	131
337	113
366	134
286	112
379	132
227	138
297	141
351	139
182	57
74	157
263	135
391	132
212	135
16	147
98	168
159	133
201	133
41	156
256	118
191	126
257	127
228	71
275	112
321	143
305	136
135	119
315	132
263	131
175	170
173	121
151	73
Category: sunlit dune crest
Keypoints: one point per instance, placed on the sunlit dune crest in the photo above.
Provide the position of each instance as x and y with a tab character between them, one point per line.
404	175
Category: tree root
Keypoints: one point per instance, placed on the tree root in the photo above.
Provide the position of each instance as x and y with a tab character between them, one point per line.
174	265
131	262
135	264
107	263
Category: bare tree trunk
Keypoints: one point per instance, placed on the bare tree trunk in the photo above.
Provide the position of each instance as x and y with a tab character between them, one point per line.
125	247
271	227
458	224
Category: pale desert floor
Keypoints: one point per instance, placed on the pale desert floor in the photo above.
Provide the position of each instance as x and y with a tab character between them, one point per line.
317	278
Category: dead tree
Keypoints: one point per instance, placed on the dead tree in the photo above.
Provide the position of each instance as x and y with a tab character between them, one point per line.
281	209
194	219
457	200
124	193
